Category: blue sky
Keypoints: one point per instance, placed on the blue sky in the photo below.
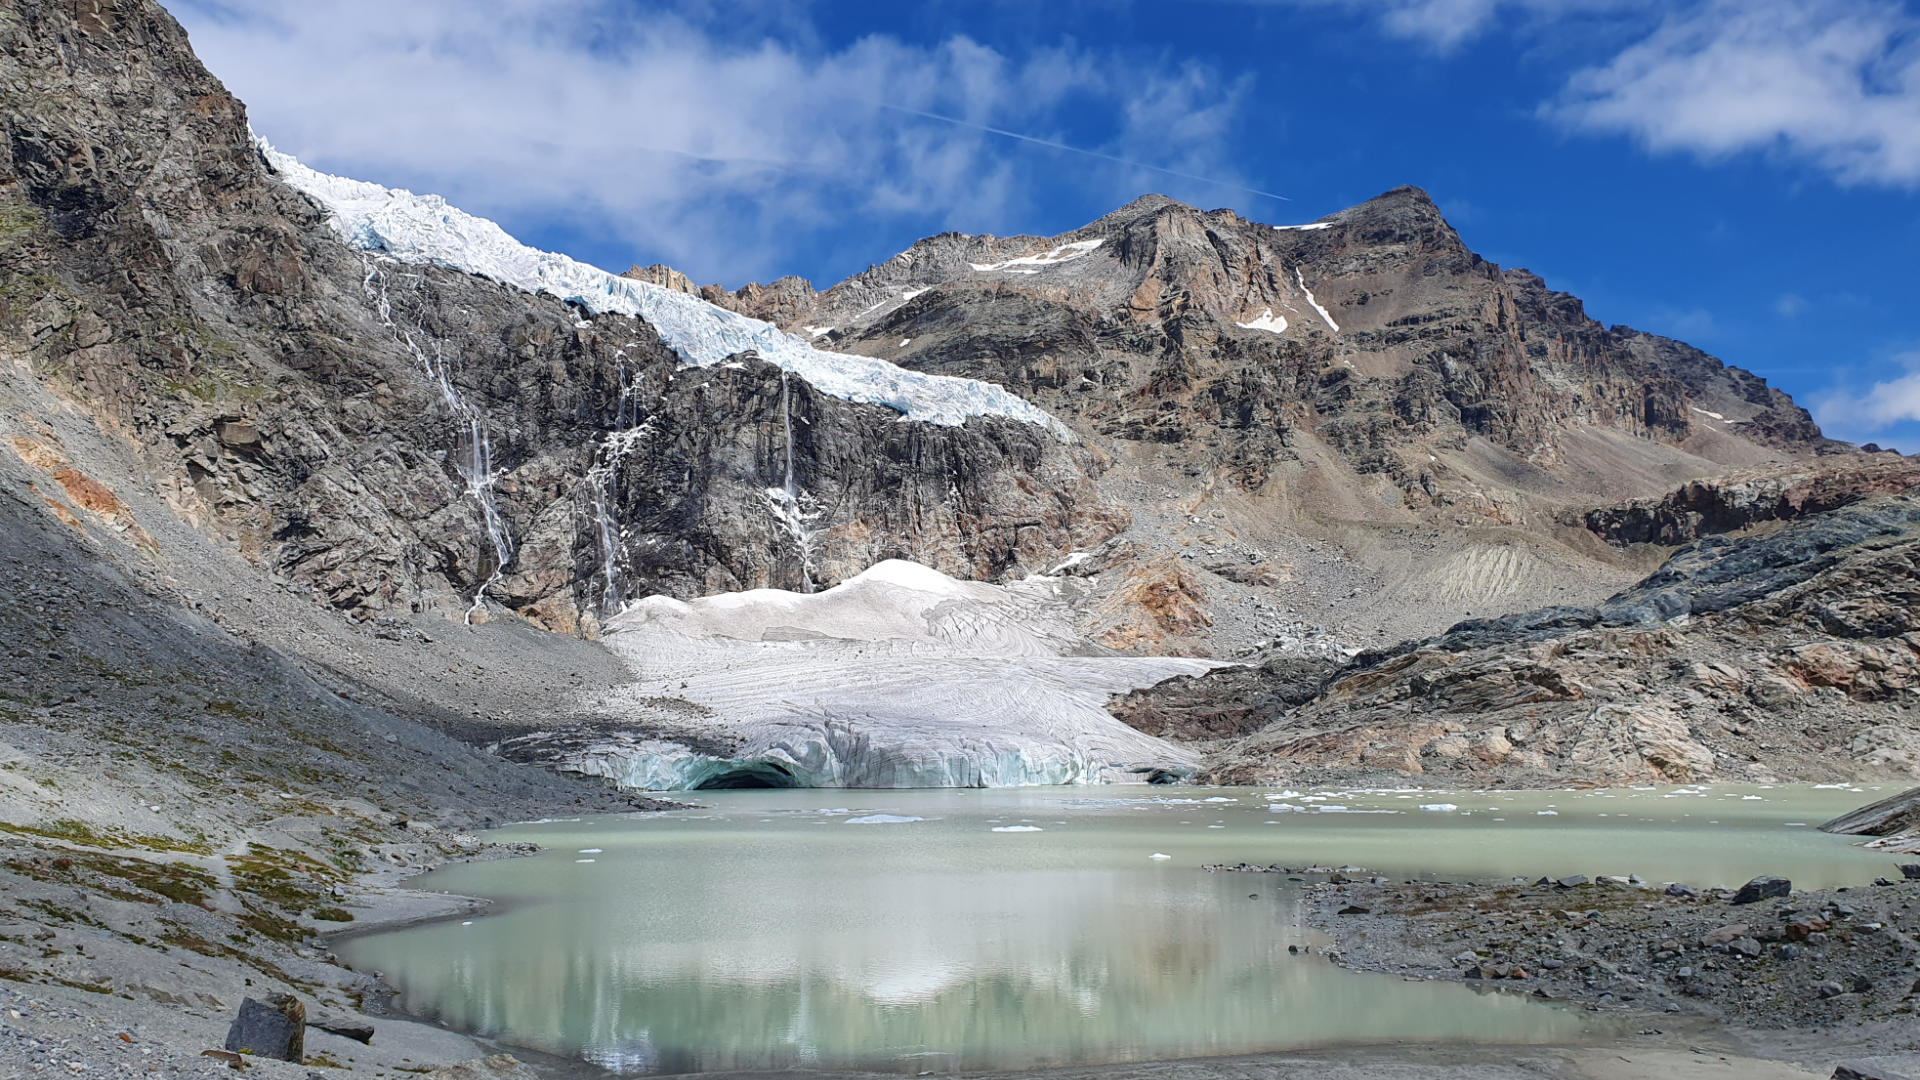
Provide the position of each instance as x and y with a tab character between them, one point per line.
1741	175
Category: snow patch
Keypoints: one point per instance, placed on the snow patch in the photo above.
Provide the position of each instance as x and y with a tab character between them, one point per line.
1033	264
1331	325
1314	227
1018	828
1707	413
882	819
423	229
1268	321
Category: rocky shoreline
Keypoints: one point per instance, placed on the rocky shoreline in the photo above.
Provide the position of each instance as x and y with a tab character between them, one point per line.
1763	958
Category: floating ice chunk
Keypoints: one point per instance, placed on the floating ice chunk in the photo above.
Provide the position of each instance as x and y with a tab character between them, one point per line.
583	860
1266	320
882	819
1018	828
1159	855
423	229
1220	798
1033	264
589	851
1546	813
1439	807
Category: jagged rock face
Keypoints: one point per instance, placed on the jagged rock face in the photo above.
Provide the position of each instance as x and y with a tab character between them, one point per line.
334	417
1376	332
1740	501
1788	655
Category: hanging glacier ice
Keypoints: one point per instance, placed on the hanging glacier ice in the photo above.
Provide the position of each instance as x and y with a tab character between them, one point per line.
423	229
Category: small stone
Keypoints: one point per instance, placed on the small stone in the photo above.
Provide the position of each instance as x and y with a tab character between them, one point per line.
1724	935
1828	989
1677	889
1552	964
1466	959
1801	929
1572	882
1763	888
1355	909
1910	871
1745	946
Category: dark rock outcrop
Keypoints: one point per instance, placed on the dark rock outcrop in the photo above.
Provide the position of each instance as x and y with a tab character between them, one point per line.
1793	653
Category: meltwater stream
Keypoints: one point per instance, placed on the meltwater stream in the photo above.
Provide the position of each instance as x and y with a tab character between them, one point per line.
1008	928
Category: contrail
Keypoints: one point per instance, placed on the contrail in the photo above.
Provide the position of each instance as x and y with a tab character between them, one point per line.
1054	145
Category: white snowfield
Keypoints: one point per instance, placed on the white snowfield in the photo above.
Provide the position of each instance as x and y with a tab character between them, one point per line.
424	229
1033	264
1268	321
899	677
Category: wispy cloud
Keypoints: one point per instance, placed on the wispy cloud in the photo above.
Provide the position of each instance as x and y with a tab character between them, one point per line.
1871	413
1832	82
682	138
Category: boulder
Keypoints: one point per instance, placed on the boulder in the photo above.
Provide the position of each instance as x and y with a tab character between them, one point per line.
347	1027
276	1028
1857	1071
1763	888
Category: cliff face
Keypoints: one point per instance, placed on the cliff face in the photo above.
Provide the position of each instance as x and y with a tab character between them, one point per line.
393	437
1375	332
1359	417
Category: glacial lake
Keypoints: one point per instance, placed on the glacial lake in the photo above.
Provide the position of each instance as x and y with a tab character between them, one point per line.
942	930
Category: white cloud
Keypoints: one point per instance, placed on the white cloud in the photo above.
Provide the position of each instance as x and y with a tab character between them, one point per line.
1791	305
1858	415
1446	24
1832	82
725	152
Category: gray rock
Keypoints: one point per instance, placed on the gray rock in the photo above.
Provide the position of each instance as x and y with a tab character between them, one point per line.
1763	888
1857	1071
359	1030
1677	889
1573	882
273	1029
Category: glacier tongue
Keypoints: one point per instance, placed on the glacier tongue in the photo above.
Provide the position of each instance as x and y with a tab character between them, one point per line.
424	229
899	677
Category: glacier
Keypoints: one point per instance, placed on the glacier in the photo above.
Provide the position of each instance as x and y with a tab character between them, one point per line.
424	229
898	677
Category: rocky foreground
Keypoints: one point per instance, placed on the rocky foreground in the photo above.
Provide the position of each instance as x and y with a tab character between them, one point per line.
1780	959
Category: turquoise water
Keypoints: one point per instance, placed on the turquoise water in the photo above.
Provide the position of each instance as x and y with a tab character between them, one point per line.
1023	927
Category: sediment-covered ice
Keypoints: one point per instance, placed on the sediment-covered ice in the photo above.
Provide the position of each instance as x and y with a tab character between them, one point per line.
899	677
423	229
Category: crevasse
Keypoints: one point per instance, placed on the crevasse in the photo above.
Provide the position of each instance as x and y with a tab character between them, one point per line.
414	228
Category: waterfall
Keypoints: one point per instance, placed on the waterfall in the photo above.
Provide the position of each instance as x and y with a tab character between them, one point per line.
473	453
786	501
603	484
